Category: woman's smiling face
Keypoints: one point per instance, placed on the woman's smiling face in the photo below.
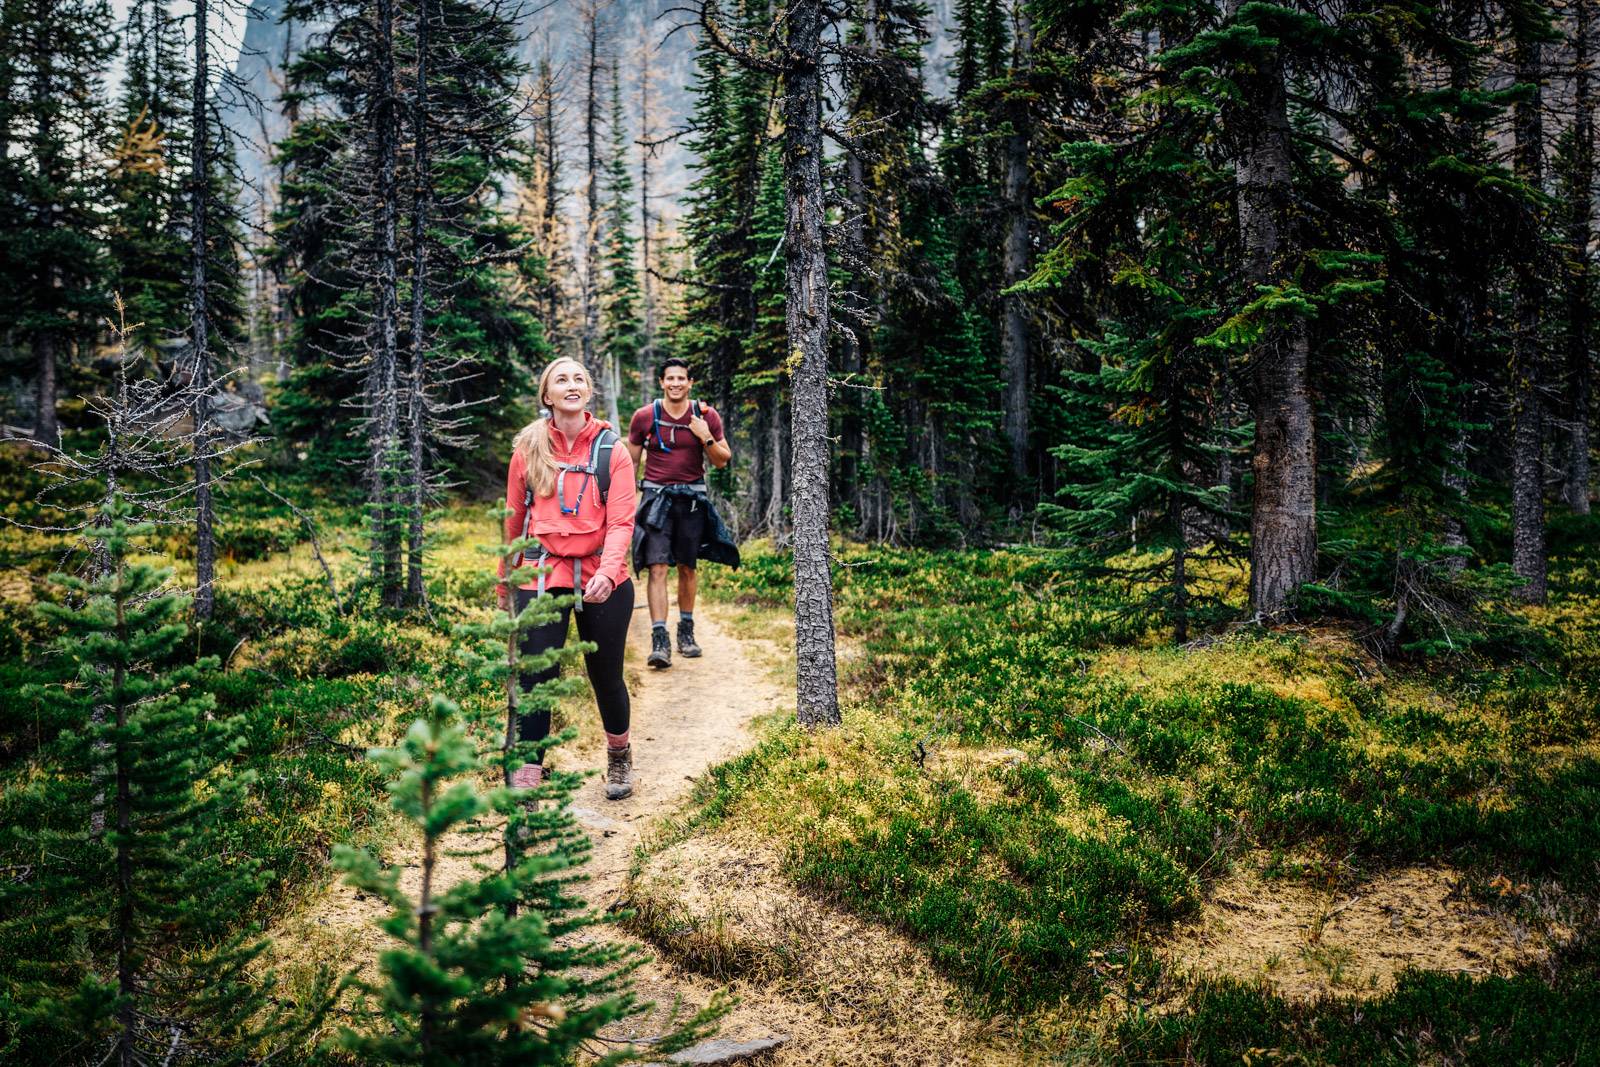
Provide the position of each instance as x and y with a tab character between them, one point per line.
567	389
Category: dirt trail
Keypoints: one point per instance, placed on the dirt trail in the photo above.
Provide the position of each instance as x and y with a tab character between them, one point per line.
686	718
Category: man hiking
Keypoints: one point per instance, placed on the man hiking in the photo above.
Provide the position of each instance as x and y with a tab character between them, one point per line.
676	526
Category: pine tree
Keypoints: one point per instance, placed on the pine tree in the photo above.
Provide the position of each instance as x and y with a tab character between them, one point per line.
621	334
144	959
52	248
1528	28
149	261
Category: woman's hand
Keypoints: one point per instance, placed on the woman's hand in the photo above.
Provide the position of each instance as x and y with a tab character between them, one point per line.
597	589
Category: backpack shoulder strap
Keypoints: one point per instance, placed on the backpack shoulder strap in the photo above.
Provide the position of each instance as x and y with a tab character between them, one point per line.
600	461
655	425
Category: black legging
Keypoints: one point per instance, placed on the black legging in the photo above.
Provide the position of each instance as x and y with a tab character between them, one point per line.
606	624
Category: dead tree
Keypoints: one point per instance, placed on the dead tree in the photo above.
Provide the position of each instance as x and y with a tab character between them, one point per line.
799	60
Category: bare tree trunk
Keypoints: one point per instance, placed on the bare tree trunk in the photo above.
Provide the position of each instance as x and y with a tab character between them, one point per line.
647	351
46	341
45	426
1283	521
817	696
383	384
605	398
1527	415
1016	261
205	546
1581	281
416	413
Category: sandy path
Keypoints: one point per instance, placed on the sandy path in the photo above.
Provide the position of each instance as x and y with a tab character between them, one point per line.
686	718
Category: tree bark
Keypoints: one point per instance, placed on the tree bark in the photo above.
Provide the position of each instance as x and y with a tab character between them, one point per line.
205	547
46	341
1283	521
1527	415
605	395
416	412
1580	295
647	350
45	427
807	314
1016	258
383	384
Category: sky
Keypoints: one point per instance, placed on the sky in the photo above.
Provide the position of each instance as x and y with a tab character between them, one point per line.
227	18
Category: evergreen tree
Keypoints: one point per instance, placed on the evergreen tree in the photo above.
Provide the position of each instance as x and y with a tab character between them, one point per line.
55	123
149	260
621	332
144	959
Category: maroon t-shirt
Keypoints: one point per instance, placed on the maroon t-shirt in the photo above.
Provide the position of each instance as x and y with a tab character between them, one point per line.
687	460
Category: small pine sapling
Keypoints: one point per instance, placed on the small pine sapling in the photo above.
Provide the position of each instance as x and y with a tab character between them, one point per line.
489	970
139	952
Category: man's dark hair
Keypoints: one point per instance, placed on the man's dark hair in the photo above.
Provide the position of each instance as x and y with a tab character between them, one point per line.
675	361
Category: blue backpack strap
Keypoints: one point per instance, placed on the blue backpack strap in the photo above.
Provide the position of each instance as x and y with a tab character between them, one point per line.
655	426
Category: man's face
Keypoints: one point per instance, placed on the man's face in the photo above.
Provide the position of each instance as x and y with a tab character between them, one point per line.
675	383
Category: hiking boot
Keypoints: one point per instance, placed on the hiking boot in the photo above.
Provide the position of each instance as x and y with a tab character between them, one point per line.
686	644
660	648
619	773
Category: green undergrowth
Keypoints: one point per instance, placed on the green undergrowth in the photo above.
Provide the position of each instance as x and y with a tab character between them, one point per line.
1428	1017
1034	786
316	680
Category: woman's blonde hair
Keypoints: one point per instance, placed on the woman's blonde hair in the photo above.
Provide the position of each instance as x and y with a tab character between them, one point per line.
533	442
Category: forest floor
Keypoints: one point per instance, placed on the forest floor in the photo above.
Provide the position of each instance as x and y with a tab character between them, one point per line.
1042	833
879	997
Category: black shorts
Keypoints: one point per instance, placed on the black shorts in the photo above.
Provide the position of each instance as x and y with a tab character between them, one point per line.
679	543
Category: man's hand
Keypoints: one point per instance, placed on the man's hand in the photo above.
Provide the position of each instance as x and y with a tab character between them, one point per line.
597	589
502	597
699	427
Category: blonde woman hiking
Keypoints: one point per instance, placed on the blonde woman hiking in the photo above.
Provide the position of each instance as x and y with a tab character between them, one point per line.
569	485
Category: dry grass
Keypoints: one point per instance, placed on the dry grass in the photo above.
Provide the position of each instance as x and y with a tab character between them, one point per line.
845	990
1308	941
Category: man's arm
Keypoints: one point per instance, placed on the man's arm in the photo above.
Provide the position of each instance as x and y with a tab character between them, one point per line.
636	440
711	437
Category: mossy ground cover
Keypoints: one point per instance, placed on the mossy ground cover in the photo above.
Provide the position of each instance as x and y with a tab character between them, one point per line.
317	680
1035	786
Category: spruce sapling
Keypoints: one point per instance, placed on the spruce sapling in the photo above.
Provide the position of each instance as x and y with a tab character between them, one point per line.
137	952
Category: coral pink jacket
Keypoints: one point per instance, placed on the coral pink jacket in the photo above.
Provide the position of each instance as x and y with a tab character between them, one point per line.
594	540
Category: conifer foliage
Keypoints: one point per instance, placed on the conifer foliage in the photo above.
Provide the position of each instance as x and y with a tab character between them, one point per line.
148	902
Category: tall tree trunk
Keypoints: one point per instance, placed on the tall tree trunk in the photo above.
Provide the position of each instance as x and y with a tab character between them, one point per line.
1527	414
205	546
817	696
1016	258
1283	520
383	383
47	340
1581	294
647	350
605	399
127	967
417	408
45	427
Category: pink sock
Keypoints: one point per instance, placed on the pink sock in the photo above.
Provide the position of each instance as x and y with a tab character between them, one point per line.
527	776
615	741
